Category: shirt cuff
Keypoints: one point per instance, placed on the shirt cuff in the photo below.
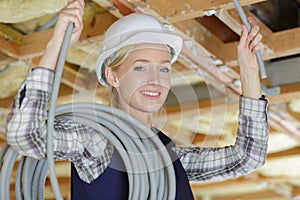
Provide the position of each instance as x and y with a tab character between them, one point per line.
40	79
253	107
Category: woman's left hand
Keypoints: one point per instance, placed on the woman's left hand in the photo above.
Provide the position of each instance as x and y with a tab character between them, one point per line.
250	42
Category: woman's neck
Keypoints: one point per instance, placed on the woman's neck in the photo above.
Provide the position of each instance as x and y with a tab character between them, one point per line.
144	117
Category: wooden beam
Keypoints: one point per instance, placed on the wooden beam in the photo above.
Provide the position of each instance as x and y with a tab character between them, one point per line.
285	43
6	103
246	188
290	152
285	121
9	33
218	28
214	76
288	93
5	59
10	48
284	97
176	11
193	46
257	194
35	43
97	25
232	19
77	80
93	27
110	7
201	35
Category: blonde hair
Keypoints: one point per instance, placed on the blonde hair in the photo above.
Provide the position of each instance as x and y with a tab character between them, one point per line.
114	61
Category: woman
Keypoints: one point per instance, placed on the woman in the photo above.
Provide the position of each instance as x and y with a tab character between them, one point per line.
135	60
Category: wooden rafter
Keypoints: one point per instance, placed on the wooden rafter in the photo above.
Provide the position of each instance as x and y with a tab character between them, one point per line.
176	11
277	44
247	188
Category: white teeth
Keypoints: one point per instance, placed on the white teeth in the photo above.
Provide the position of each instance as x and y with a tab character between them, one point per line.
152	94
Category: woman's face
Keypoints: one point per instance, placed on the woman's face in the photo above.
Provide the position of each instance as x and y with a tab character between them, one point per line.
144	78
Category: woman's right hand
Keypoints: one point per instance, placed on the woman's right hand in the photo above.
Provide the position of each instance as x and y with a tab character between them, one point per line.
71	13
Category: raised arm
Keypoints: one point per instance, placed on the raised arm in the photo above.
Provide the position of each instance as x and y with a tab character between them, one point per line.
249	70
29	110
26	124
250	149
72	13
246	155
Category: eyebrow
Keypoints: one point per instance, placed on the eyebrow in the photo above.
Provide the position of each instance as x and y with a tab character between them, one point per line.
148	61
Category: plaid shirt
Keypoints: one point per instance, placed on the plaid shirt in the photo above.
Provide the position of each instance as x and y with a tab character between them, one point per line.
91	152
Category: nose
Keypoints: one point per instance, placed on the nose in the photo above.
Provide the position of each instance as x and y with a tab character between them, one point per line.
153	76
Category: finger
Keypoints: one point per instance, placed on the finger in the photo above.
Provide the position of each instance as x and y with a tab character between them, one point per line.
75	5
254	31
255	41
81	2
73	14
244	36
258	47
71	18
72	11
252	21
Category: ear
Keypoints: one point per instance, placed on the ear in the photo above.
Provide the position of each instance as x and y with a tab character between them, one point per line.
111	77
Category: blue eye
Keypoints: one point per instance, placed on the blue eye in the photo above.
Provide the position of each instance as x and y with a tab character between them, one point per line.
165	69
139	68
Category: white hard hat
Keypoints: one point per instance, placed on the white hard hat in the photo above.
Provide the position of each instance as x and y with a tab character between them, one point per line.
134	29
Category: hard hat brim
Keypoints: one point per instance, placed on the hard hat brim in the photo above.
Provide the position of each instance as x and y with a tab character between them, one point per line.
172	40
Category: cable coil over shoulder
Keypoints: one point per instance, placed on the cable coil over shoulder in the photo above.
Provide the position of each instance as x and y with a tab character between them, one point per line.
137	144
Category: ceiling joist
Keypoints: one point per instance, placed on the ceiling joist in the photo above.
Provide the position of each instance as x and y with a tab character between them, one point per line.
176	11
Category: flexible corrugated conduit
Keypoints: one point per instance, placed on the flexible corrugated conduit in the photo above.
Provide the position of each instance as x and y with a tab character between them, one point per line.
148	164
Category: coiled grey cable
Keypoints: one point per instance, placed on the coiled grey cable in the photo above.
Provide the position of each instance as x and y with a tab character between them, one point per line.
6	172
36	179
53	97
137	144
42	180
134	193
109	117
27	178
18	183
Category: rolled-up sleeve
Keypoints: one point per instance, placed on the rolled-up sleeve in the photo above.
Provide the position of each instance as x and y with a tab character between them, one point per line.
72	141
246	155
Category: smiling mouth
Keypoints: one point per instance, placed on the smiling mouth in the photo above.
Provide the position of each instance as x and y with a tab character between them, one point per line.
150	93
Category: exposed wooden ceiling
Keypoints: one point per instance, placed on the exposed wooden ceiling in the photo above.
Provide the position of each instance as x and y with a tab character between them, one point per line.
202	107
